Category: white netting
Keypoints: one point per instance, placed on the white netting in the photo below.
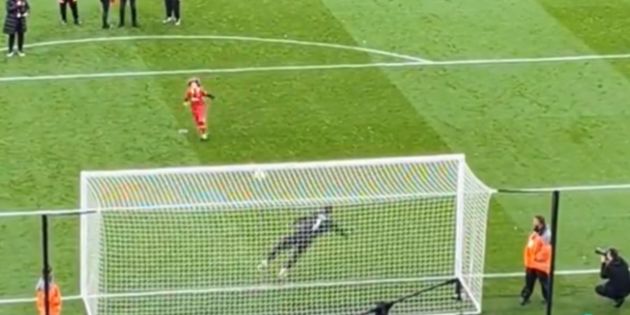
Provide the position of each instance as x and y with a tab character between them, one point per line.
188	241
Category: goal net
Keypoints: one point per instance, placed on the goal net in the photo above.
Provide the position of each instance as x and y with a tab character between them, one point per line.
189	241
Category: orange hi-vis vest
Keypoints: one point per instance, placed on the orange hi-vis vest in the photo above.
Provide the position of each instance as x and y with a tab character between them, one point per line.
54	300
537	253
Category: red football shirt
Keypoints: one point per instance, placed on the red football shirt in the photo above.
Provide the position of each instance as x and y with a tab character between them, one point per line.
196	97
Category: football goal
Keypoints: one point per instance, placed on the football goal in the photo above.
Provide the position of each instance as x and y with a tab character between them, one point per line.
331	237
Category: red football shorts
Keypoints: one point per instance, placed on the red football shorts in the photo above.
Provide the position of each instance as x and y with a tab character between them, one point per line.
199	115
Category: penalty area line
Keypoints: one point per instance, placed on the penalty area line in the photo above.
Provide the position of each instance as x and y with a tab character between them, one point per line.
529	60
407	64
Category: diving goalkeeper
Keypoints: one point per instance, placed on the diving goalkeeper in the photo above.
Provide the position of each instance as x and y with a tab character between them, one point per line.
305	231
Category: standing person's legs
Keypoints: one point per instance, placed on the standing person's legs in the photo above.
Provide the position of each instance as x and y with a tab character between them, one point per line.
121	13
74	6
134	13
20	41
176	11
105	4
63	6
528	289
543	278
168	5
10	44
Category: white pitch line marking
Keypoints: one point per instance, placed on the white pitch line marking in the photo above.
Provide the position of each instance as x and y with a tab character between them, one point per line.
471	62
410	60
202	71
229	38
528	60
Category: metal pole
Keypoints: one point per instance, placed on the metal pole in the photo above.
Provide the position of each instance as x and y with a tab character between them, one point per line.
555	205
46	265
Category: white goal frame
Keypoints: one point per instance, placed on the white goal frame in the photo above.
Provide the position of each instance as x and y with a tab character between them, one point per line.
462	272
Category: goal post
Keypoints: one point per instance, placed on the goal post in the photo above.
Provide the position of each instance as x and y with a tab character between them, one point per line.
187	241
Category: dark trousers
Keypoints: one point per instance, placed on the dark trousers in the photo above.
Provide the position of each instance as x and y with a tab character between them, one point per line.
299	245
74	7
608	292
172	9
134	12
19	34
531	275
105	17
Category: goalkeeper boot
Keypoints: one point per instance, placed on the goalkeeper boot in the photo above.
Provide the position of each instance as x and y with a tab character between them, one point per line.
283	273
263	265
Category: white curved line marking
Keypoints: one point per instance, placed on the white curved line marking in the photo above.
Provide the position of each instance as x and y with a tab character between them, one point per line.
205	71
230	38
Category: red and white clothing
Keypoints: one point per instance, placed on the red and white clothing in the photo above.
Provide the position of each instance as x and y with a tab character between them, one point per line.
197	99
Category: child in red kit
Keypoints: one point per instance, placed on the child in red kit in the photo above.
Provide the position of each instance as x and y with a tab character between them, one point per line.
196	99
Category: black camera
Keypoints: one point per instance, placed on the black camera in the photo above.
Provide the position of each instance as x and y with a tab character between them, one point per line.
601	251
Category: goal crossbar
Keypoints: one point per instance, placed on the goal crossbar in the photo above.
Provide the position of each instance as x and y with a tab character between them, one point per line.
276	166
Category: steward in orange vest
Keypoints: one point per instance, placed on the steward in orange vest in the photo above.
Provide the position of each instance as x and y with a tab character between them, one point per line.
537	259
54	298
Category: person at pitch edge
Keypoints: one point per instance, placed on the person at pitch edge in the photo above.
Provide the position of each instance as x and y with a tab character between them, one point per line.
537	257
615	269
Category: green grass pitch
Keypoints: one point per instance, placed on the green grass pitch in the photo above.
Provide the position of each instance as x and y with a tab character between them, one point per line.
520	124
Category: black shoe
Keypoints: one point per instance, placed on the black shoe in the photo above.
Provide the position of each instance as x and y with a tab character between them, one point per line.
121	25
619	302
135	25
524	302
77	22
106	26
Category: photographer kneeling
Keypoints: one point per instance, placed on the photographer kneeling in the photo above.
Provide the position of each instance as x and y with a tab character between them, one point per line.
615	269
